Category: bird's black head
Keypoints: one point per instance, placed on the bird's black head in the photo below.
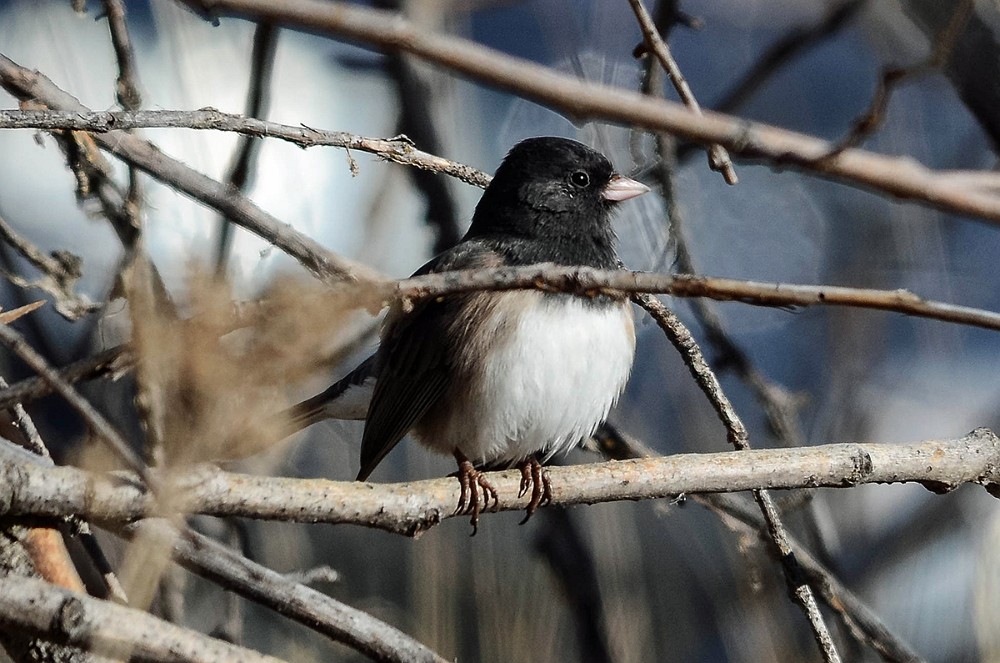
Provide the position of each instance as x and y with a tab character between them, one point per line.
551	201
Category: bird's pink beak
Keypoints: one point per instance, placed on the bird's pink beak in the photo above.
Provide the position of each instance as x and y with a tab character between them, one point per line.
622	188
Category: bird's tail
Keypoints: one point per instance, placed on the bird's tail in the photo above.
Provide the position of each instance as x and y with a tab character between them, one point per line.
347	398
305	414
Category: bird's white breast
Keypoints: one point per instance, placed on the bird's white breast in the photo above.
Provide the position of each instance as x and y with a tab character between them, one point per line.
554	367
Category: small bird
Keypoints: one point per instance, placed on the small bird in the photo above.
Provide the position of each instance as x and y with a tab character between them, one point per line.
503	379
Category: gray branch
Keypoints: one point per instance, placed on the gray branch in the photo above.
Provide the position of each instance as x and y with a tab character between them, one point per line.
38	608
26	84
324	614
588	282
973	194
410	508
397	150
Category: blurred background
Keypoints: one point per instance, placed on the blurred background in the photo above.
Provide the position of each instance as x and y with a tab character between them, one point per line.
661	582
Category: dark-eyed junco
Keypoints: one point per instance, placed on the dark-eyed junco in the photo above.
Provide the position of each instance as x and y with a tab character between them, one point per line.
500	379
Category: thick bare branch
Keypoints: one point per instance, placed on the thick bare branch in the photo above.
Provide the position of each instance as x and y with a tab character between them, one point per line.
409	508
16	560
902	178
316	610
36	607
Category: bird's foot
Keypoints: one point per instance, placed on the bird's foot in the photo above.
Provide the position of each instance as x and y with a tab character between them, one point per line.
474	485
534	476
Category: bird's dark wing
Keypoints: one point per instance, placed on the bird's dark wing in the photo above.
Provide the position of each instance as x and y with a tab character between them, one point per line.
414	360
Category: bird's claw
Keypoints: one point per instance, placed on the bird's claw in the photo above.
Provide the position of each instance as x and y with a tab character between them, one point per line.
534	476
473	483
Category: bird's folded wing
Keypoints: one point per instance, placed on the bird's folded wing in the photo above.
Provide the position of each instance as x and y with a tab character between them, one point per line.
413	374
412	368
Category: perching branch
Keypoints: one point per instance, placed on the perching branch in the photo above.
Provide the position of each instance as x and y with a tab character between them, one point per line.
410	508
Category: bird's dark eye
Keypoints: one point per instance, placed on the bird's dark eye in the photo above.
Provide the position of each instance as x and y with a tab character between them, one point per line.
580	179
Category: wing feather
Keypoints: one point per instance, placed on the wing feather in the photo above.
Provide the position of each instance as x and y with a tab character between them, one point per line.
415	360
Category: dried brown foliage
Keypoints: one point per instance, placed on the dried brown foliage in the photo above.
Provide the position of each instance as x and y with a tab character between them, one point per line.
215	375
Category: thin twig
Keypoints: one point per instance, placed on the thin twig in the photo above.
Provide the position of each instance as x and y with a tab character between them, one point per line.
585	281
785	51
862	621
41	542
892	77
865	623
81	528
60	272
94	419
114	588
718	158
589	282
398	150
416	105
779	405
32	441
968	192
129	97
240	177
320	261
738	436
582	281
127	85
230	626
109	362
